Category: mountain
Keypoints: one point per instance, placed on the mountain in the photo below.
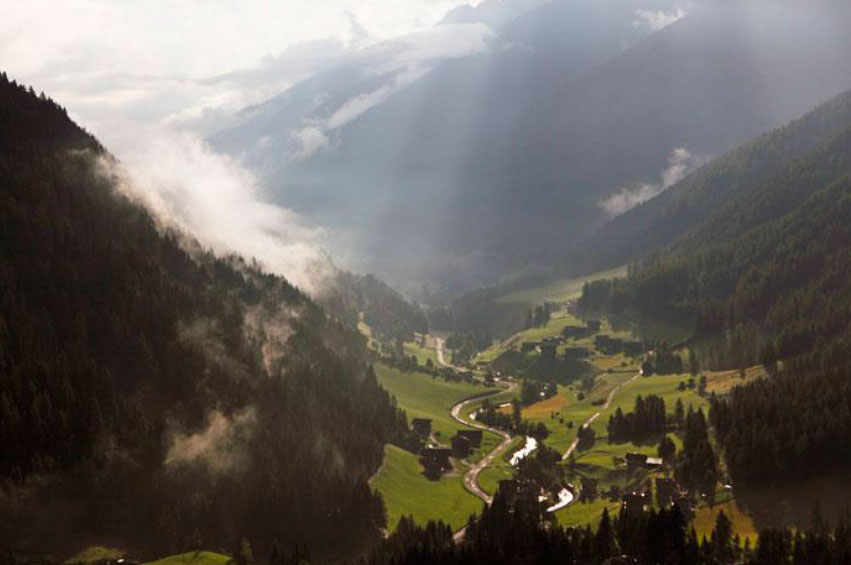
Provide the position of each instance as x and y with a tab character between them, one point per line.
765	279
722	186
496	161
157	396
769	266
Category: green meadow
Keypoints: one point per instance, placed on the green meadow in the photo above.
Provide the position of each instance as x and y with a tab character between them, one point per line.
406	491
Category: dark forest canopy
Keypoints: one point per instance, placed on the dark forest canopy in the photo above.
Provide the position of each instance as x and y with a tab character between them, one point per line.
766	279
157	396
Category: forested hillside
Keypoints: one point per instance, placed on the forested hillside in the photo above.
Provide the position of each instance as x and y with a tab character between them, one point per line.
160	398
382	308
718	185
765	279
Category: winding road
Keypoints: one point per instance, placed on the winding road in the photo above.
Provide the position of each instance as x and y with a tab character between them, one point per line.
593	417
471	477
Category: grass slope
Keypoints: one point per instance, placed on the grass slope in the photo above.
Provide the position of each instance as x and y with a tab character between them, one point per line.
406	491
422	396
193	558
559	290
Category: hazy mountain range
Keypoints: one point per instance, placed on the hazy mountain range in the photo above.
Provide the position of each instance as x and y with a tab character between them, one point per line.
435	158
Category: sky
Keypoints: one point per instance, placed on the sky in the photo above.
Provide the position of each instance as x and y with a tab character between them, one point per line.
152	78
171	60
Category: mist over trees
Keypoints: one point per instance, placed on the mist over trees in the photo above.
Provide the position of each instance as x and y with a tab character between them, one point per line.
198	397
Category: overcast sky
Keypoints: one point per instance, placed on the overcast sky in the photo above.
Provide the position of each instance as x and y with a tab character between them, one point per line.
152	60
150	77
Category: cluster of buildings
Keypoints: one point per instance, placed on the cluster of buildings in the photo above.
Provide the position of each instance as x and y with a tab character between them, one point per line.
612	346
668	493
437	460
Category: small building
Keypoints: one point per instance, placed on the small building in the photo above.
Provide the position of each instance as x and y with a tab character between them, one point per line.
635	461
593	326
574	332
576	353
548	351
653	463
436	460
666	491
474	436
461	446
640	461
608	345
422	426
509	488
466	376
633	348
528	346
633	503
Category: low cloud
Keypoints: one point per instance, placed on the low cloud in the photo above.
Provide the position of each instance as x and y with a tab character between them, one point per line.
680	164
220	446
216	201
404	60
654	20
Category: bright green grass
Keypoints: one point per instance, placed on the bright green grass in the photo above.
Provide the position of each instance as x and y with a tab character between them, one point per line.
500	468
580	513
194	558
95	553
558	291
422	354
664	386
424	396
406	491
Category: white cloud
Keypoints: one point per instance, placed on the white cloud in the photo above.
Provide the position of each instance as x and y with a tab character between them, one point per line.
654	20
220	446
680	164
406	59
221	204
152	78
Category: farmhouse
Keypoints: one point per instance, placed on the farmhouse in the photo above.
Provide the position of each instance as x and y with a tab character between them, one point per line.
641	461
633	503
466	376
436	460
574	332
461	446
608	345
633	348
509	488
474	436
666	491
528	346
576	353
422	426
548	351
593	326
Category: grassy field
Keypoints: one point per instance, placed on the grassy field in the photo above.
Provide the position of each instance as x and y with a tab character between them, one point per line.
422	396
665	386
193	558
406	491
705	516
500	468
560	290
722	382
95	553
580	513
423	352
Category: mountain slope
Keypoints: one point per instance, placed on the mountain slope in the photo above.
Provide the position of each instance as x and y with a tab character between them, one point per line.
497	161
772	268
159	398
721	185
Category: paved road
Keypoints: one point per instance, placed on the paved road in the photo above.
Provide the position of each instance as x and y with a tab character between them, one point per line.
471	477
593	417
